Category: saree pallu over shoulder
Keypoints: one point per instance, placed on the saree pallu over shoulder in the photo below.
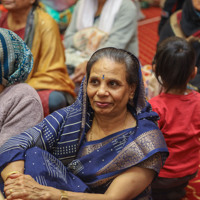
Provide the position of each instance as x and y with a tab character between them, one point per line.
49	69
142	145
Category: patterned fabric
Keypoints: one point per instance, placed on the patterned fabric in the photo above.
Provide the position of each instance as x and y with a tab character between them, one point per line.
15	58
193	189
88	165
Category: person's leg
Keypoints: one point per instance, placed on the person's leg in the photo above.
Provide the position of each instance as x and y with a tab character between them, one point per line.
166	193
59	99
170	188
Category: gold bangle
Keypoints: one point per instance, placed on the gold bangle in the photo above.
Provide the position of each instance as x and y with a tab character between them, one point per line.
13	172
64	195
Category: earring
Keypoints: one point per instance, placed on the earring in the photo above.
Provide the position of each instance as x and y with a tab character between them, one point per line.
131	98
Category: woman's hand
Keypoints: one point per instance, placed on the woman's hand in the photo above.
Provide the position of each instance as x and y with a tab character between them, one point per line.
79	72
24	187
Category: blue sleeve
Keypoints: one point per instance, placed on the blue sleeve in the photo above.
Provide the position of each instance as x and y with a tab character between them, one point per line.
44	135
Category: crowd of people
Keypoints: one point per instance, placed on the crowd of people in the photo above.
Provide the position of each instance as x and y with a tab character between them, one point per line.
75	121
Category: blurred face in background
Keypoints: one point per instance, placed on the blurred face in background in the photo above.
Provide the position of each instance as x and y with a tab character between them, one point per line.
196	4
17	4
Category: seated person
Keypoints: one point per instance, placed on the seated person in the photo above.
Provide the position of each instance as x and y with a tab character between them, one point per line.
96	24
106	145
40	32
185	23
20	106
169	7
179	109
60	10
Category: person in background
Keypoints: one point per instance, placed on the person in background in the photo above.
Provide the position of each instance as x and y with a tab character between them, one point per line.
140	15
60	10
169	7
40	32
20	106
106	145
185	23
96	24
179	111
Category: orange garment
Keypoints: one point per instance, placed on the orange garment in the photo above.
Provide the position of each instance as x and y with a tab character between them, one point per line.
2	8
49	69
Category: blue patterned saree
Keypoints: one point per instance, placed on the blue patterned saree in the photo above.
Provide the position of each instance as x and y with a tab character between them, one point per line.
57	153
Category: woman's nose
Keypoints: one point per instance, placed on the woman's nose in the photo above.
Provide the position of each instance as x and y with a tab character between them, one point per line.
102	90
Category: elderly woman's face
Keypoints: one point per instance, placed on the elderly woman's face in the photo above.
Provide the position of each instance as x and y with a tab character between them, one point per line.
196	4
17	4
107	89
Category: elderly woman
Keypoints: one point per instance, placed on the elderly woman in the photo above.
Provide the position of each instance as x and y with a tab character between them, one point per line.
97	24
185	23
20	106
104	146
40	32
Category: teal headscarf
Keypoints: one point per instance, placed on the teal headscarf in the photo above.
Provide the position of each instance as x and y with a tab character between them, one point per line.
16	59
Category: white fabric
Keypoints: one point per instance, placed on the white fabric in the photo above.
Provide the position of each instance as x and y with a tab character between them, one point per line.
87	12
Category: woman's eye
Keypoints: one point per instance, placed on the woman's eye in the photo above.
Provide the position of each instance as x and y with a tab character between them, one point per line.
94	82
113	83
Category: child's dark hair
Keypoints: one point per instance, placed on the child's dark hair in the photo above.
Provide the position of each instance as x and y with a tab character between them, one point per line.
174	63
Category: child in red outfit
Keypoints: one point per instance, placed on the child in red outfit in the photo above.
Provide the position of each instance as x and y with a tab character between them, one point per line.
179	111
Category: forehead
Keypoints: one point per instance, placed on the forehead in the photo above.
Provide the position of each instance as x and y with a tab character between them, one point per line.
109	67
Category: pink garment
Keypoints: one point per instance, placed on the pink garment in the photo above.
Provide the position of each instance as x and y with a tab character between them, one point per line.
20	109
44	96
180	125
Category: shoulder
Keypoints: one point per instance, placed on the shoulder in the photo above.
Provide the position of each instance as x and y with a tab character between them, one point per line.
23	89
127	11
157	99
21	93
44	19
127	5
20	97
158	103
195	96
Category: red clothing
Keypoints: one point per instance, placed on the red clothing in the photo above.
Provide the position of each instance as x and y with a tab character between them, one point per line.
4	24
180	125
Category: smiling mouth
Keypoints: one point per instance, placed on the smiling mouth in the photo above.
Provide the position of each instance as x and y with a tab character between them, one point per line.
102	104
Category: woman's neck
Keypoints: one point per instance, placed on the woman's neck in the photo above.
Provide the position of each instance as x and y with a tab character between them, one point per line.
107	125
17	19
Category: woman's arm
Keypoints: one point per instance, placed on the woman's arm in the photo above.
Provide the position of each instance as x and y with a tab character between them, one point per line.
16	167
14	149
124	187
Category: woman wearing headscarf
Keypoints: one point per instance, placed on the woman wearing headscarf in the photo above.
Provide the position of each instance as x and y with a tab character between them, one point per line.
106	145
186	23
20	106
169	7
97	24
40	32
